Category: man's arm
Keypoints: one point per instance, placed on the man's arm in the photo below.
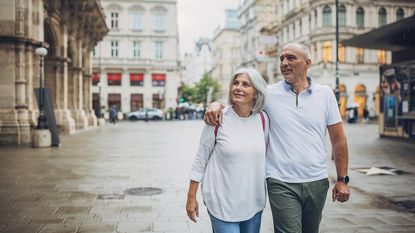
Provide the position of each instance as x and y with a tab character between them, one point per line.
213	115
341	159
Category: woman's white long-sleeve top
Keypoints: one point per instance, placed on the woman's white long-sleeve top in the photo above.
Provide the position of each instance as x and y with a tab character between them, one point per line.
232	171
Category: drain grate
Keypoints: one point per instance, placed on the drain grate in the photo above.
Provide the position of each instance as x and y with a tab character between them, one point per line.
110	197
143	191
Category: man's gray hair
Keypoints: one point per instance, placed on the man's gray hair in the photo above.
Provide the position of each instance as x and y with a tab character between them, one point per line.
258	83
305	49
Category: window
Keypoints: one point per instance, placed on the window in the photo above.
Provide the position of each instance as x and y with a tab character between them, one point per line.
327	51
399	14
137	102
382	17
301	27
136	49
114	20
381	54
158	101
326	16
360	18
360	55
137	79
114	79
159	50
159	22
342	53
136	21
158	80
114	48
94	53
114	99
342	15
95	78
315	18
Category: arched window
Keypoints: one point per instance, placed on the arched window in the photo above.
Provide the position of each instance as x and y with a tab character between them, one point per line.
399	14
326	16
382	17
327	52
360	18
342	15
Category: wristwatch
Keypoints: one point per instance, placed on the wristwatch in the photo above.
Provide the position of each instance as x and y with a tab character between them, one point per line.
345	179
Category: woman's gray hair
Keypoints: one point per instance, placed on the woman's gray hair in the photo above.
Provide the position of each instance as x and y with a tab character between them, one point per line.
258	83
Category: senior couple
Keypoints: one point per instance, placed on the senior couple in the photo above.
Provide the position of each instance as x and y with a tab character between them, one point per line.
270	139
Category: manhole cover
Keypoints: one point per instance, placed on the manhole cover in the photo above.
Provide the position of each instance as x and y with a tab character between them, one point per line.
110	196
143	191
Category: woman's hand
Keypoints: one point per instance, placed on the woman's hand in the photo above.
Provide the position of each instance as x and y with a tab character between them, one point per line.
213	115
192	208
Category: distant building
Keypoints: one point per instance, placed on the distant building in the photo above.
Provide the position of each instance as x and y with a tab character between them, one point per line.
313	23
137	64
226	53
70	29
253	16
198	62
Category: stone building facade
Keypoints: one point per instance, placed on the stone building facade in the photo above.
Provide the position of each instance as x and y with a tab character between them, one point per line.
69	29
314	24
137	64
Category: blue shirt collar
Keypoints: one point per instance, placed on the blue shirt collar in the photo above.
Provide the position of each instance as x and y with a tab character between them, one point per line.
288	87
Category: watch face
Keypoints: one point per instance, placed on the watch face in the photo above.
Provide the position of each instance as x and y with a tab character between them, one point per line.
346	179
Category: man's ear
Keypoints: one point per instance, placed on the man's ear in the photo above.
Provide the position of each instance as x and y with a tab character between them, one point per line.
308	62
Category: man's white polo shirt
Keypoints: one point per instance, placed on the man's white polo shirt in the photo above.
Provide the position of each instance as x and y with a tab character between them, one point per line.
298	127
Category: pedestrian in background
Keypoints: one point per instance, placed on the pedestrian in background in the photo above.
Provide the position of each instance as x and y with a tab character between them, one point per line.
301	112
230	161
113	114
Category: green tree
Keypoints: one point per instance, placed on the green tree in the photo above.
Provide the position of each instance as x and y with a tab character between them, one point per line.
187	92
202	87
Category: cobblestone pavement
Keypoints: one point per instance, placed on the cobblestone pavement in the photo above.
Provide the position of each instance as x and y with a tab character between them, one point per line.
81	187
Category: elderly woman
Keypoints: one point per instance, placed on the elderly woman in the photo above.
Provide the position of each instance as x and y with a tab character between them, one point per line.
230	161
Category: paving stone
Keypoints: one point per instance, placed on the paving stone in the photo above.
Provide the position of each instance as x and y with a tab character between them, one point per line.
72	210
366	221
96	228
21	228
60	228
135	227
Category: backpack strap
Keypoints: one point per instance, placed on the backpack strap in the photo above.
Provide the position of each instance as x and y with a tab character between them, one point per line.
262	120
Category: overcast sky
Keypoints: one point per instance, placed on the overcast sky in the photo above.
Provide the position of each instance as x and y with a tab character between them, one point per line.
200	18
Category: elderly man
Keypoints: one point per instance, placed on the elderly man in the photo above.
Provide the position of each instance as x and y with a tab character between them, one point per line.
301	112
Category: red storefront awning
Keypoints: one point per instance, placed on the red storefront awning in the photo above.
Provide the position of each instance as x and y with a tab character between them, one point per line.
114	76
136	77
95	76
158	77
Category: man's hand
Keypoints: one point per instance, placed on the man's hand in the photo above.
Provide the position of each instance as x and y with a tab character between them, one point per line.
340	192
213	115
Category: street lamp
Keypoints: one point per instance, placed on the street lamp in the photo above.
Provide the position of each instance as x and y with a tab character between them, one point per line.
337	91
41	52
99	84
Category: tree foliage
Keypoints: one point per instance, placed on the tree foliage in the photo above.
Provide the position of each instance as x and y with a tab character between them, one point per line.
199	93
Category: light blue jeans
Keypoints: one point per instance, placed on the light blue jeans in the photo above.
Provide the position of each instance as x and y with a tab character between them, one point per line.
251	225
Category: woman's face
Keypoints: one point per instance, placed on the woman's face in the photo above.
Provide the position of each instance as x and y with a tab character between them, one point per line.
242	91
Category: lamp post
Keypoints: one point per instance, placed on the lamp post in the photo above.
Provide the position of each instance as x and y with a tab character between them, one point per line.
41	52
337	91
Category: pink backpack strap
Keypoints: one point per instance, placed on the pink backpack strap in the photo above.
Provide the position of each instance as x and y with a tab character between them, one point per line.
263	120
216	131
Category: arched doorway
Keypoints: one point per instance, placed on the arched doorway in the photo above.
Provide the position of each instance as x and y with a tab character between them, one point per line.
360	98
343	100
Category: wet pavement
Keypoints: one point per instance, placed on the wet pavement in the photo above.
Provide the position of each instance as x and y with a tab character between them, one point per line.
109	179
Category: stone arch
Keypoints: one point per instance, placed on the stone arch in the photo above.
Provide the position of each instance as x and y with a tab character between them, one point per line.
360	98
158	8
136	8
